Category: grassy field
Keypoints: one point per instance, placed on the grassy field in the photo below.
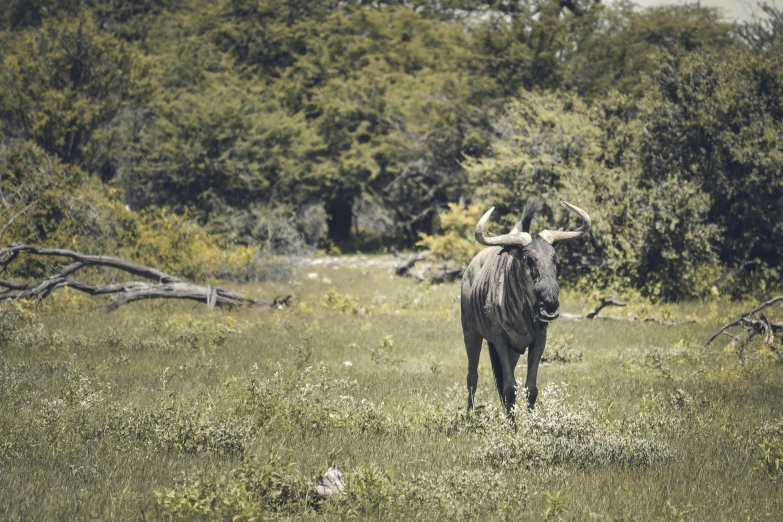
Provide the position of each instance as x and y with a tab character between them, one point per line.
166	410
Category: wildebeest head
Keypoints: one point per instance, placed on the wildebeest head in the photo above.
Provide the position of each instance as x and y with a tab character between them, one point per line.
537	254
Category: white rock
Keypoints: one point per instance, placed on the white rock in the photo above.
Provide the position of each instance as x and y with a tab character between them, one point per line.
347	364
312	275
327	280
332	483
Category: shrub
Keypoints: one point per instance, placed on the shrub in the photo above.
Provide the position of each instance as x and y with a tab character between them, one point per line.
455	241
771	448
255	488
561	350
556	434
346	304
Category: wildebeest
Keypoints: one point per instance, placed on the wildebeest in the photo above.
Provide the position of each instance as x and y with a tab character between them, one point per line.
509	295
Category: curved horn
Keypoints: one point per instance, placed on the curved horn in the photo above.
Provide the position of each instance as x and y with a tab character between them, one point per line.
514	238
553	236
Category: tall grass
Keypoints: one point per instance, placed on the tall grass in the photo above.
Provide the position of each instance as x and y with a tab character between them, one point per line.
164	410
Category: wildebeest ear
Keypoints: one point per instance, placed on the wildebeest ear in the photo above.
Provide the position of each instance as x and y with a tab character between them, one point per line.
515	251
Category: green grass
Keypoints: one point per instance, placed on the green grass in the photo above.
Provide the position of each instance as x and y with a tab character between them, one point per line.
164	409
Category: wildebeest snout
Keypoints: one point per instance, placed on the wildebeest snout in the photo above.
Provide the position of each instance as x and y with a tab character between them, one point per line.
549	310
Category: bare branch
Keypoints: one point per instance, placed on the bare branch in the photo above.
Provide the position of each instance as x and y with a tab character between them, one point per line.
739	319
12	218
87	260
613	301
610	301
164	287
407	268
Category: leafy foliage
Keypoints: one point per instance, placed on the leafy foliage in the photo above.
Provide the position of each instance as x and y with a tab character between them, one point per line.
560	149
455	239
248	115
714	126
72	89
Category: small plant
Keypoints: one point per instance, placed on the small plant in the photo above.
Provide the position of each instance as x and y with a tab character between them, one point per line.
334	300
407	298
303	353
677	514
657	359
247	492
382	356
771	459
668	412
771	446
370	488
556	506
561	350
557	433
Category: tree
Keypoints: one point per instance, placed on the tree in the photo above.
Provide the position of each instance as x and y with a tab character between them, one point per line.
716	120
763	32
223	149
648	235
383	89
67	87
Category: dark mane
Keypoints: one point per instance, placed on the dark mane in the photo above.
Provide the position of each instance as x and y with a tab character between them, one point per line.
532	208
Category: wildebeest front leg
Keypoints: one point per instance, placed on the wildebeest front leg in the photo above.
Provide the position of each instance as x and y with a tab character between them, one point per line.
534	354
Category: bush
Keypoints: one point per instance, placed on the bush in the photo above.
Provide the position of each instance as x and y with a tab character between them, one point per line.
771	448
556	434
455	239
649	233
255	488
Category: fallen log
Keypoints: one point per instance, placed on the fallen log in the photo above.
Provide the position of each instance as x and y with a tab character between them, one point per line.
443	274
163	285
434	274
408	268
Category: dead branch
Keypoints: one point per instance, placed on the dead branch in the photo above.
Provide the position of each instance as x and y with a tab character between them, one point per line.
407	268
163	285
613	301
435	274
409	262
752	327
610	301
7	255
740	319
604	302
443	274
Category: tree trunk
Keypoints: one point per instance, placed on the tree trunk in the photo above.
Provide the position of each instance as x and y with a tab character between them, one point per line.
340	221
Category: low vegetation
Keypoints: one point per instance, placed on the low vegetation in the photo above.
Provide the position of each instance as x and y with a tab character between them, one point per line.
166	410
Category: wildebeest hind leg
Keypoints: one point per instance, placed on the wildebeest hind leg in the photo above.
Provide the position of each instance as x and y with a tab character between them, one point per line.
504	361
473	348
497	371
